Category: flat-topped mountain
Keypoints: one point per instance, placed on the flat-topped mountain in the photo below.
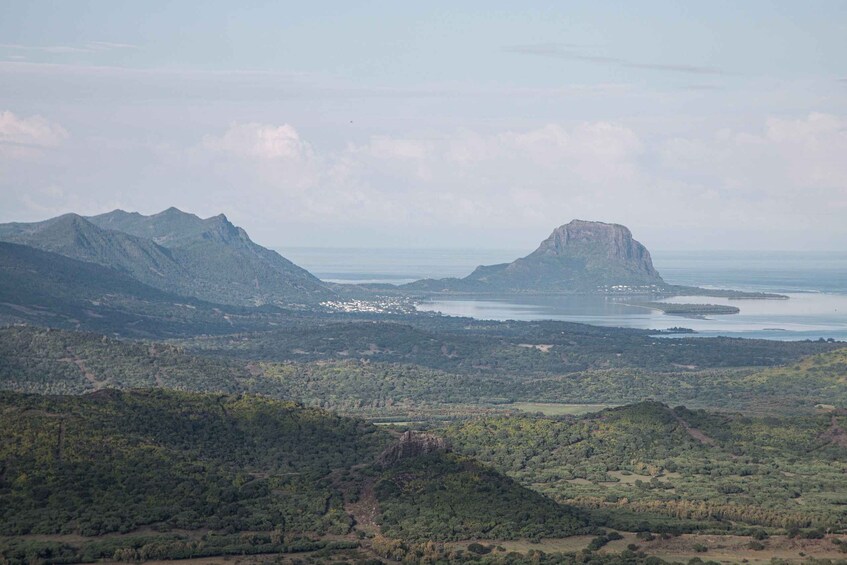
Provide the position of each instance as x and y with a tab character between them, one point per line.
210	259
581	256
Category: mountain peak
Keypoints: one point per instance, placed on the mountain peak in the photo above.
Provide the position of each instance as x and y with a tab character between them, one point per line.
172	212
590	238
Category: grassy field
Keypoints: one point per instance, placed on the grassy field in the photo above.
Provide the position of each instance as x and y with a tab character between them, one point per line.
556	409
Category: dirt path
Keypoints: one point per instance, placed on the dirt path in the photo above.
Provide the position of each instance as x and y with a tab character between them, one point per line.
836	433
89	376
366	509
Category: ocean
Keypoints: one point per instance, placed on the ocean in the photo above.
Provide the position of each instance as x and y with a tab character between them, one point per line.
816	284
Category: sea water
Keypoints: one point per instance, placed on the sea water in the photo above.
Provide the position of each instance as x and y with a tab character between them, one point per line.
816	284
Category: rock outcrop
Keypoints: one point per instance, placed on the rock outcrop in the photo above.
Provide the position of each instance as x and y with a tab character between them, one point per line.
412	444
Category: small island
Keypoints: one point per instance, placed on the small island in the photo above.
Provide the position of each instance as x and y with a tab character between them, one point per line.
692	310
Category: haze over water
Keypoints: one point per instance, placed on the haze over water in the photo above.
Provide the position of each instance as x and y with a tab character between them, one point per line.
815	281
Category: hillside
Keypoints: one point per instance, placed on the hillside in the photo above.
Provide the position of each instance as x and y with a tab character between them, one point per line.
653	467
47	289
102	451
826	372
209	259
161	464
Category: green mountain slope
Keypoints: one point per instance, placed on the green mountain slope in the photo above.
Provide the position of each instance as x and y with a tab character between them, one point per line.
826	372
47	289
75	237
448	497
208	259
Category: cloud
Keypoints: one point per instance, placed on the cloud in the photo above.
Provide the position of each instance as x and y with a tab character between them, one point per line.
434	187
109	45
456	178
572	53
260	141
27	137
789	172
264	153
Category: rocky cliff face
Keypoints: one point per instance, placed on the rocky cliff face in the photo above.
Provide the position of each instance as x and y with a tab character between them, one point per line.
412	445
598	242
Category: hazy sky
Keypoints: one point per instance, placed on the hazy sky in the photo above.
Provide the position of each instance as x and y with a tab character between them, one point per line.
701	125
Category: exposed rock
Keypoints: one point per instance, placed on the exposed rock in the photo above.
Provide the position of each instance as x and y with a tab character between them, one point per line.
412	444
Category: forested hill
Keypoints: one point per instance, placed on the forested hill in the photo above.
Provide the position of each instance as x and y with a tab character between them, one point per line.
209	259
124	459
115	461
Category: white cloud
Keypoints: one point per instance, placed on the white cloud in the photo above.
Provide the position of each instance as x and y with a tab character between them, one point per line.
268	156
791	170
27	137
261	141
786	175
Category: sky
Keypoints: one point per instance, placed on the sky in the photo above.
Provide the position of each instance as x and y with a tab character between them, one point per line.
699	125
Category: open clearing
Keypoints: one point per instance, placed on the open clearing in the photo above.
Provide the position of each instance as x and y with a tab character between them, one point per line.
556	409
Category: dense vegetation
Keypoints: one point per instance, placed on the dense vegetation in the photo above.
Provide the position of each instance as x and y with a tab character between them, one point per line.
445	497
465	345
62	362
113	461
170	474
650	467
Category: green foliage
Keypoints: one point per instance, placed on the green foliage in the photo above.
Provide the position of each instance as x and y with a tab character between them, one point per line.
50	361
445	497
47	289
467	346
160	547
61	362
112	461
649	467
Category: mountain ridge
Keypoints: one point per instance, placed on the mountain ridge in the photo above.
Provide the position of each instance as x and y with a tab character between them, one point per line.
210	259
